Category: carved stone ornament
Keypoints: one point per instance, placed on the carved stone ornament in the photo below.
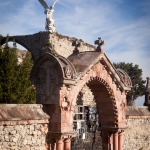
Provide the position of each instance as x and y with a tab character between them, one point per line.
68	72
124	77
65	104
122	108
49	10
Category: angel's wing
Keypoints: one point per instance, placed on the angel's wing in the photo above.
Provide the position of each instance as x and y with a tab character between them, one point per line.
44	4
55	2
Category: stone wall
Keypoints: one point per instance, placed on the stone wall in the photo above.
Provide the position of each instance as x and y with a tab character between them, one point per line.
38	43
23	137
137	134
23	127
63	45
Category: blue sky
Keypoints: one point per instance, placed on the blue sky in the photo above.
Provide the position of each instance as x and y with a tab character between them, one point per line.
123	24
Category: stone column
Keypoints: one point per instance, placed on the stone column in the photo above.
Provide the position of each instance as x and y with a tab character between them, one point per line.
120	141
115	141
59	144
105	141
67	144
110	141
52	145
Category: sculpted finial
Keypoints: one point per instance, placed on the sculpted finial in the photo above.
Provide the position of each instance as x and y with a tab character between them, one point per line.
77	43
49	25
99	42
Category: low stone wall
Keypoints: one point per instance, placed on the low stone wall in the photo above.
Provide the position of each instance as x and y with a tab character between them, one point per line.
137	134
23	127
23	137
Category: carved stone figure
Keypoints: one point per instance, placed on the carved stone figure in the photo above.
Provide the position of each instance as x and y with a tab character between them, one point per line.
49	25
68	72
122	109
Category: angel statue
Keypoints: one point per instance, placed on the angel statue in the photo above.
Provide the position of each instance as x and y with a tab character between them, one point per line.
49	25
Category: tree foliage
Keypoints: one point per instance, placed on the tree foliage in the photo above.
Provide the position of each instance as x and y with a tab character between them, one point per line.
135	74
15	86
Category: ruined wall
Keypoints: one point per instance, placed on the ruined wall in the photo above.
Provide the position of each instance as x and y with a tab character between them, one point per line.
137	134
23	127
63	45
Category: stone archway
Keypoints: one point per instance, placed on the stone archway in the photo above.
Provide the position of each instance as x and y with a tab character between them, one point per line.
107	84
111	103
58	81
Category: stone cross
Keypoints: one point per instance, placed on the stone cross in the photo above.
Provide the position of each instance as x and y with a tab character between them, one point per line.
76	43
99	42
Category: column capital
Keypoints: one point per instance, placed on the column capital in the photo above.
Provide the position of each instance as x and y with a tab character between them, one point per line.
113	129
62	135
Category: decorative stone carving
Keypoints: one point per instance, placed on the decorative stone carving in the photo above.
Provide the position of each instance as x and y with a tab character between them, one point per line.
49	25
99	42
77	44
68	72
68	68
65	104
124	77
122	108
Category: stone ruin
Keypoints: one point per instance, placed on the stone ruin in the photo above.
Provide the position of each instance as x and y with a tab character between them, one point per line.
58	81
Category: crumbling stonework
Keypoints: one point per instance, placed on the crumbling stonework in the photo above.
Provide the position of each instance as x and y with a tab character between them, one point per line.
39	43
63	45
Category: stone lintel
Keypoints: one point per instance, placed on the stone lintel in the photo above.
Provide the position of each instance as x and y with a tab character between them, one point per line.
113	129
69	82
62	135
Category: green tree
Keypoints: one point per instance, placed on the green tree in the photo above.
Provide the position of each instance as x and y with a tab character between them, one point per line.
15	86
135	74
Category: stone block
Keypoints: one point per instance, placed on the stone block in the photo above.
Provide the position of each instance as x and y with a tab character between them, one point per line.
38	133
29	142
1	128
14	139
24	142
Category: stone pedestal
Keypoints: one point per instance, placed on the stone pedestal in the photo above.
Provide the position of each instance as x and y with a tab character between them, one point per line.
52	144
